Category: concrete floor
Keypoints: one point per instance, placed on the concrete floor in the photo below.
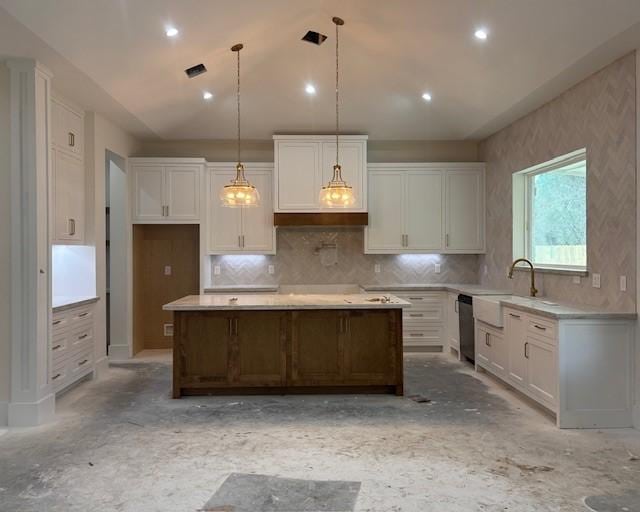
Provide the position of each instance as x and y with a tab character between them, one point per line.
121	444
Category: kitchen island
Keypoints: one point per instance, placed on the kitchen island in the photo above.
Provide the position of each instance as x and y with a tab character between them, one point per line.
276	344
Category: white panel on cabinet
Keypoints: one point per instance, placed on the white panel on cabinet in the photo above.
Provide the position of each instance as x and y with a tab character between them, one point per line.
68	197
352	159
257	223
299	175
67	127
225	224
423	218
386	215
464	210
148	186
182	192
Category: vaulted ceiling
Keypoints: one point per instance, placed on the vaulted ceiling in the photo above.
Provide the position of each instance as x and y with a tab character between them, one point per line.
391	52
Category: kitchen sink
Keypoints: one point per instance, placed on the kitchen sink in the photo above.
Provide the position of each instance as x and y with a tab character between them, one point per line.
488	308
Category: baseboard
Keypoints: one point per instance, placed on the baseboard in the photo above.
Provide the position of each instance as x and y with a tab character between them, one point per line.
4	414
636	417
31	414
119	353
101	366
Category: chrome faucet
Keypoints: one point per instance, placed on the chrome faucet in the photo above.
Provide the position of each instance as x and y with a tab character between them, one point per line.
533	290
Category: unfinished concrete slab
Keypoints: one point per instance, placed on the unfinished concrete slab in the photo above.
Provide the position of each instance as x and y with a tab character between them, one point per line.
122	444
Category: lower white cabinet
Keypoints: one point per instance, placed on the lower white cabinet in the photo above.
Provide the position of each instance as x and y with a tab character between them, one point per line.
72	345
423	324
579	369
240	230
453	323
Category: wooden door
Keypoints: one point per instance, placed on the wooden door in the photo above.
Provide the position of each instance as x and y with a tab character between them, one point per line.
515	332
257	222
203	349
299	175
369	347
317	347
352	159
165	268
424	217
225	224
182	193
464	210
260	353
385	231
542	372
148	193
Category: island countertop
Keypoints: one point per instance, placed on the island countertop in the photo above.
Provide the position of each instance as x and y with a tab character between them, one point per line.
284	302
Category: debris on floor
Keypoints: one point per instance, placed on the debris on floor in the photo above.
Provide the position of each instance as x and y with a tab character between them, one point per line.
420	399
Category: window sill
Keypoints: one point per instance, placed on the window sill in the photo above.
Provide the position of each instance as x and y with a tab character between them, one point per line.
552	270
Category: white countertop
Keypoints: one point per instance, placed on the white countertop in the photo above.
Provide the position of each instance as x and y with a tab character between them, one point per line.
551	309
466	289
284	302
67	301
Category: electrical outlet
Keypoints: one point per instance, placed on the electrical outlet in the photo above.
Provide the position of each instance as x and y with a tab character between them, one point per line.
437	268
167	270
576	280
623	283
271	269
168	329
216	270
596	281
376	268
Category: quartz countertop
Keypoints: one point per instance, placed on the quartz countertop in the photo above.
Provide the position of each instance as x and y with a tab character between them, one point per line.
558	311
61	303
242	288
467	289
284	302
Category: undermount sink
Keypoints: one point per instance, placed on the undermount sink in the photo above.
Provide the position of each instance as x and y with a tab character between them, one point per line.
488	308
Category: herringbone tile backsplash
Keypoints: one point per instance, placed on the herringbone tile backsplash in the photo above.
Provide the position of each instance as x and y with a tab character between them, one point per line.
597	114
300	261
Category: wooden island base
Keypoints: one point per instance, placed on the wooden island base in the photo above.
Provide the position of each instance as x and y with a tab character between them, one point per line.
282	352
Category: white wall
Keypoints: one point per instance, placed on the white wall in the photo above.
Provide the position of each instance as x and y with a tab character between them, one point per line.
5	245
73	271
103	136
636	417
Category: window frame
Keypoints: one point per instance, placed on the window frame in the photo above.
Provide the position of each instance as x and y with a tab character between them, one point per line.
522	190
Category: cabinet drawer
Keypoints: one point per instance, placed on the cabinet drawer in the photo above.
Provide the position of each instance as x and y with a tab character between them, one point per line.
542	328
60	322
80	364
423	335
60	348
80	339
59	375
81	315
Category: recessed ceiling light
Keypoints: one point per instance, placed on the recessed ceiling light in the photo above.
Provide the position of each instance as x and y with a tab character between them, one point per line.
172	31
481	34
310	89
207	95
426	96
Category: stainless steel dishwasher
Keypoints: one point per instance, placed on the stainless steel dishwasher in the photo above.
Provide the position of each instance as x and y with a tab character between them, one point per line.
467	330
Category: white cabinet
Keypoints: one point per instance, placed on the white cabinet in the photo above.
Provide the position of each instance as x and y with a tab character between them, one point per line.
240	230
423	324
166	190
67	197
304	164
453	323
67	127
464	210
425	208
542	375
515	329
491	349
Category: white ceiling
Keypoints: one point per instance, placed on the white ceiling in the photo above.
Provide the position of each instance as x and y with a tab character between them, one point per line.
391	52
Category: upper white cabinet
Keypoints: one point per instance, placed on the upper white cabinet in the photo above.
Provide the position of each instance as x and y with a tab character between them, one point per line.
425	208
67	173
304	164
240	230
166	190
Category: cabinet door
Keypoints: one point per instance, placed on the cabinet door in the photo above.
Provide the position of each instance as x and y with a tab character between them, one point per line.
68	197
464	210
68	128
352	159
499	354
257	222
542	370
182	193
515	332
424	226
386	212
483	347
370	350
261	340
148	186
317	347
298	175
225	224
453	321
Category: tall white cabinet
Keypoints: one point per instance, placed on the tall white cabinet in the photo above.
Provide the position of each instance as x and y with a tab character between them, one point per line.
304	164
240	230
165	190
67	173
425	208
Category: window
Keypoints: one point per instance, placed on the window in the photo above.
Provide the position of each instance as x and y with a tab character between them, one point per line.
550	213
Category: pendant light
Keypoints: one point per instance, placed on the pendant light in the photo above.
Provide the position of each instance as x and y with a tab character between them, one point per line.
337	194
239	193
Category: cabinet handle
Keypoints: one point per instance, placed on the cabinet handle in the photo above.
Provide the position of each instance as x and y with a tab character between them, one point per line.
416	314
513	315
487	339
56	376
82	336
416	334
407	239
456	305
235	323
167	210
72	139
56	322
526	350
540	327
415	298
84	361
230	326
56	347
239	241
446	240
72	226
242	241
82	315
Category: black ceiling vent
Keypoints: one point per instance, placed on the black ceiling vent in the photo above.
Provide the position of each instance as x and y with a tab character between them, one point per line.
196	70
314	37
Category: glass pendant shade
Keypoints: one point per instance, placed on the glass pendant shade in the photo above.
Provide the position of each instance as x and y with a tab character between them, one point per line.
337	194
239	193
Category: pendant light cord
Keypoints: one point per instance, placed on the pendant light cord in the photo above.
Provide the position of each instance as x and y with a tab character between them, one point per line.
337	97
238	99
